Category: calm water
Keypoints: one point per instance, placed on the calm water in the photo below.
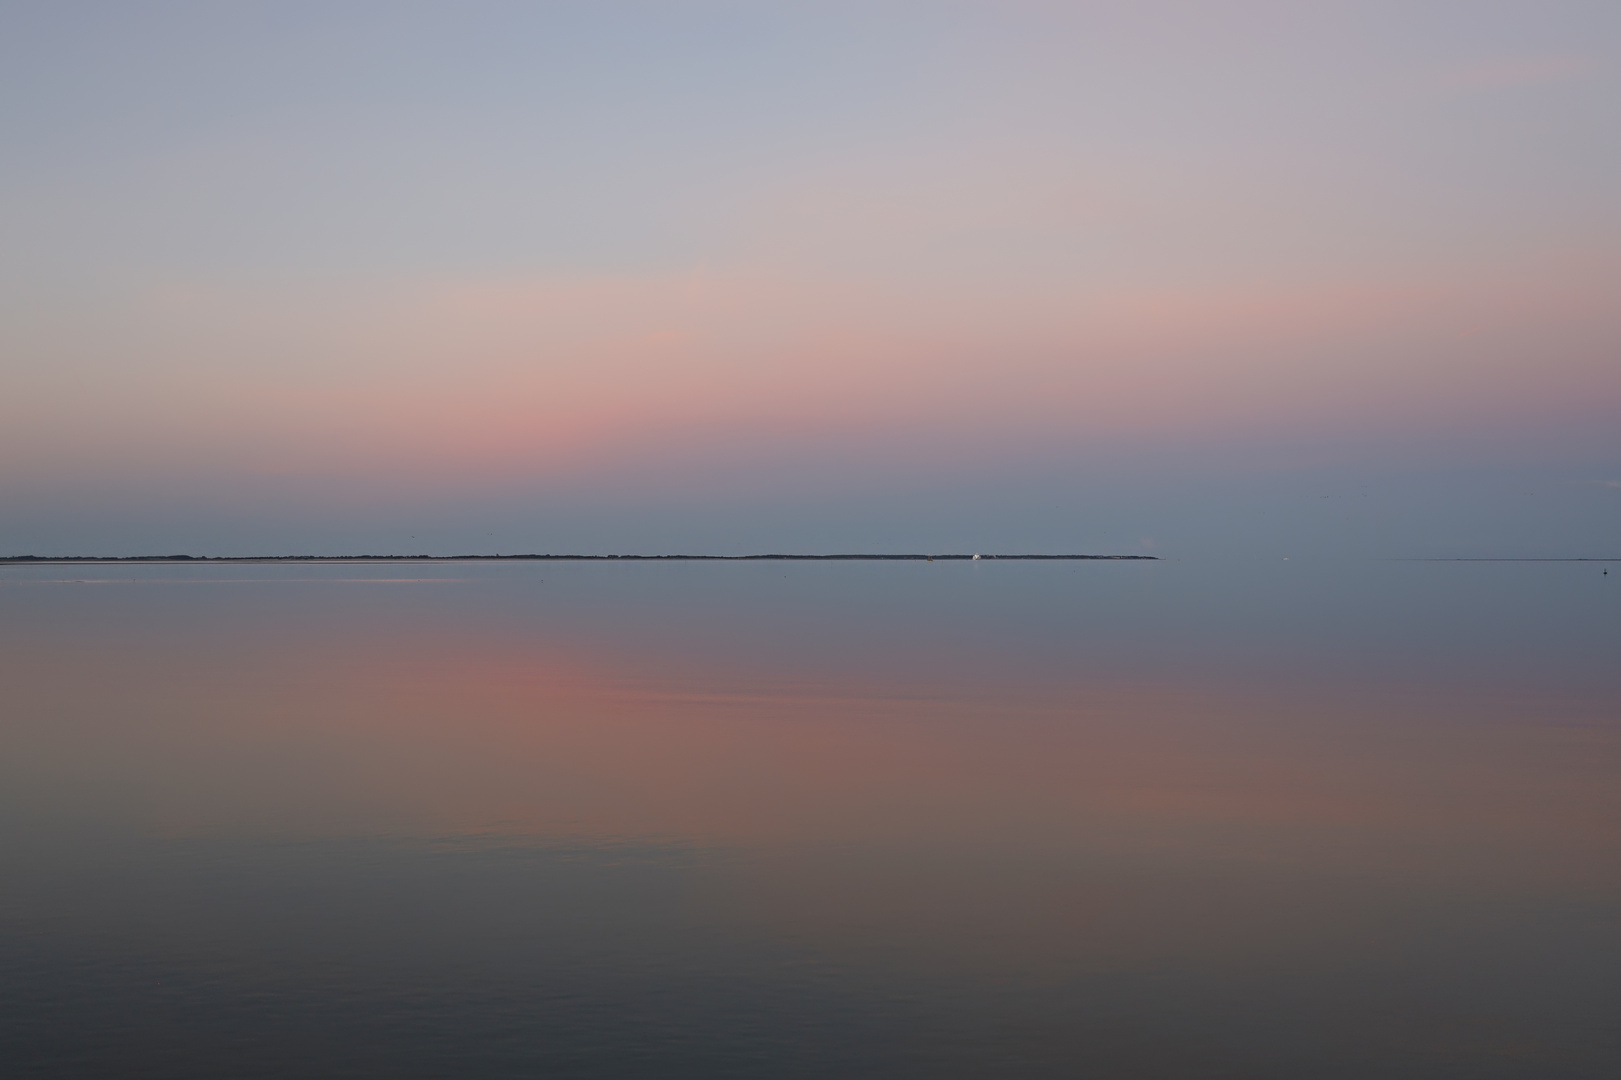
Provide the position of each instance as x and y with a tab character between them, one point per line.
1044	820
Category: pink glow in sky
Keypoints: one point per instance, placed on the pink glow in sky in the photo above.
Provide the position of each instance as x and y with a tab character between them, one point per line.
328	258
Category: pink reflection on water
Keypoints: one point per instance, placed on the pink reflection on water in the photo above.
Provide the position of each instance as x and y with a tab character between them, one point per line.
457	731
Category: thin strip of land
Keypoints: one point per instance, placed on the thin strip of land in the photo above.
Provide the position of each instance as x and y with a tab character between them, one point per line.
39	559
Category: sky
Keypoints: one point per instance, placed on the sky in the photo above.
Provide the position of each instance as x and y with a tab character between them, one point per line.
1190	279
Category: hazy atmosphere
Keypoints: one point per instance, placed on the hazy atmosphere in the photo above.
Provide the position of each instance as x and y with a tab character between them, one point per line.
1141	278
1144	483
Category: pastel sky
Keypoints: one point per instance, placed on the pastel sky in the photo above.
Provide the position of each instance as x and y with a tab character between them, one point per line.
1171	277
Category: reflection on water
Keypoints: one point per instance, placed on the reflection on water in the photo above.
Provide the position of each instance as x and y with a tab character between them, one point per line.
856	819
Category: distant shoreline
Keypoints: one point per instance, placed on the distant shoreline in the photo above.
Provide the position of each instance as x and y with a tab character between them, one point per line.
34	560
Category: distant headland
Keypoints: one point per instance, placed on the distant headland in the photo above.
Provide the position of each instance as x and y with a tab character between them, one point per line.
26	559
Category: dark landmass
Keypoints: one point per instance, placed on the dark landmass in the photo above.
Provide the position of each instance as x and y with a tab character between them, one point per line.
25	559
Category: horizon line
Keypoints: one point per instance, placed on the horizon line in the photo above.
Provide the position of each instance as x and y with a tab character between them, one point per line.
873	557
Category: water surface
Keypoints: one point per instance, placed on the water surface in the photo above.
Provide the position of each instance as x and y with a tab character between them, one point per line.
893	819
